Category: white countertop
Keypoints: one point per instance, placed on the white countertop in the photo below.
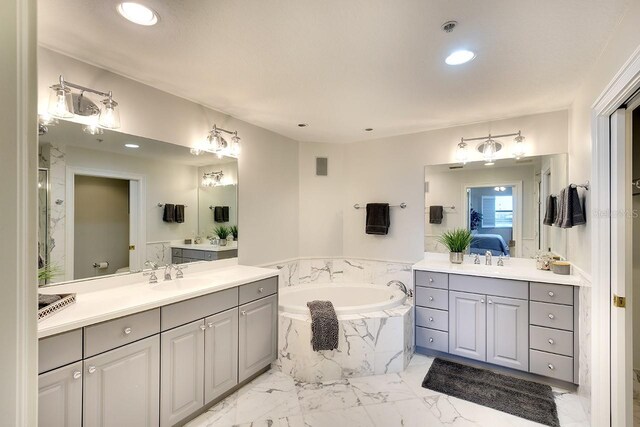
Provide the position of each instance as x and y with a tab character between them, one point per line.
514	268
208	247
104	302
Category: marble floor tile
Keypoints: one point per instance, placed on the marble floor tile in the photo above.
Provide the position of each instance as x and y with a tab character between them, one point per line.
326	396
380	389
349	417
404	413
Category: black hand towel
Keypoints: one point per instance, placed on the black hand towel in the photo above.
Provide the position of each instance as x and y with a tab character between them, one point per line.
436	214
378	220
169	213
225	213
324	325
577	212
217	214
550	213
179	214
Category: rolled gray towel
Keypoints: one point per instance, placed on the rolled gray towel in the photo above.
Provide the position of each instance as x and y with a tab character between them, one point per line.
324	325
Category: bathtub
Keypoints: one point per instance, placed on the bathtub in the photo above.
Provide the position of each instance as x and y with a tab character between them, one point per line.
347	298
375	331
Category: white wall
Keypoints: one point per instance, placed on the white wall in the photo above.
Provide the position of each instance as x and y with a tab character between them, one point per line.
624	41
268	165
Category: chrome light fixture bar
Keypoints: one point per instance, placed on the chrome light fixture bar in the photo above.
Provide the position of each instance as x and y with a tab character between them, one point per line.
62	105
212	179
216	143
490	147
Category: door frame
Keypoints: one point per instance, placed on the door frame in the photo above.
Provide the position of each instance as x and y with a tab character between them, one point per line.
517	193
137	216
607	260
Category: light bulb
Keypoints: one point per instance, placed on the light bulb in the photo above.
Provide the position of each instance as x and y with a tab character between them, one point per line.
93	129
489	152
462	154
60	102
109	116
519	147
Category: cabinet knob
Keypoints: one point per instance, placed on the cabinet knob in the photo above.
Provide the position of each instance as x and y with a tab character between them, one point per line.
260	290
551	294
430	319
430	339
243	313
92	369
77	375
551	316
127	331
210	324
202	327
430	298
481	300
430	279
490	302
550	366
552	342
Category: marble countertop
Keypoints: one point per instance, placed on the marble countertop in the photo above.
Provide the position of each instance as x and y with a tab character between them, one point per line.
208	247
105	302
514	268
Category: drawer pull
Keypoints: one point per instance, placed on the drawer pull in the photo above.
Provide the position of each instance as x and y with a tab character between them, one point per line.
430	339
77	375
430	319
551	316
481	300
552	342
92	369
127	331
430	298
260	290
202	327
550	366
210	324
551	294
430	279
490	302
243	313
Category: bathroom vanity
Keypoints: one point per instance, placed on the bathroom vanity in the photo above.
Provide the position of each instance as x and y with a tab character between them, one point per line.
513	316
140	354
181	254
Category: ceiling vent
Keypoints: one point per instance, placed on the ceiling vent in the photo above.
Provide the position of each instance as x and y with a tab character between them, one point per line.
322	166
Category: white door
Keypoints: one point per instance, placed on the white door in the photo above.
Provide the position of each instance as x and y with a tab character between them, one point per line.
621	268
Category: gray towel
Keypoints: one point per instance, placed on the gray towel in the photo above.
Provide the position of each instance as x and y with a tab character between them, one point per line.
218	215
550	214
324	325
435	214
570	211
378	220
179	215
561	210
169	214
575	207
46	299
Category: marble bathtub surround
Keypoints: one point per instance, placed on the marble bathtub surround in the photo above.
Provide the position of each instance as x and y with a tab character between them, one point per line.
276	399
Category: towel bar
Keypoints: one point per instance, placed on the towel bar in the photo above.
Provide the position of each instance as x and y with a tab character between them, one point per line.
160	205
401	206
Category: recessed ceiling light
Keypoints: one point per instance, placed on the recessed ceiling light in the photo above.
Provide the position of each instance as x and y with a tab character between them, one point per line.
460	57
368	129
302	125
132	145
138	13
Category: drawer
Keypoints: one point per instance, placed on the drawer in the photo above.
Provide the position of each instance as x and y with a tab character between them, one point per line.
551	315
432	318
551	365
117	332
210	256
233	253
433	280
59	350
187	311
176	252
489	286
551	340
432	339
556	294
259	289
432	298
193	254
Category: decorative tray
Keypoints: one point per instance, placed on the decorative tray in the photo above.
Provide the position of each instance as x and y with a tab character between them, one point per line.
65	301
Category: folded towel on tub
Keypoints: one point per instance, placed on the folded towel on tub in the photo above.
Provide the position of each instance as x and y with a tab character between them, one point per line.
324	325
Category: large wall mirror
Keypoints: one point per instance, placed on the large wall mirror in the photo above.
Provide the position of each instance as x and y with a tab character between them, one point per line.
502	204
114	203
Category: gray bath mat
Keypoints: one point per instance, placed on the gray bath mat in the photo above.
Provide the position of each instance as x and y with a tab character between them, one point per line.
522	398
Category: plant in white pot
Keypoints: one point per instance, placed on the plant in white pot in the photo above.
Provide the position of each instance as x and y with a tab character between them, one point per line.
457	241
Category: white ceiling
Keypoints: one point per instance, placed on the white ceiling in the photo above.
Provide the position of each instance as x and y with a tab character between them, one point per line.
343	66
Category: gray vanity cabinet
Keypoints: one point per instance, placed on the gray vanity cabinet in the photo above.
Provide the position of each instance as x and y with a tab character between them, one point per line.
182	372
508	332
258	336
467	325
121	386
60	397
220	354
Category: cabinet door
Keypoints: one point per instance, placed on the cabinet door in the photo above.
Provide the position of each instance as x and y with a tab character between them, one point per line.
182	372
508	332
258	339
121	386
467	325
220	354
60	397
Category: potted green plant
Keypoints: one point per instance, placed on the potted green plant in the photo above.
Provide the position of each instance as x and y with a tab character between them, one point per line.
234	230
47	273
457	241
222	232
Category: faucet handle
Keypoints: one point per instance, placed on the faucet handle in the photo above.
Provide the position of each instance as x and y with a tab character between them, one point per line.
179	268
153	278
500	261
476	259
151	264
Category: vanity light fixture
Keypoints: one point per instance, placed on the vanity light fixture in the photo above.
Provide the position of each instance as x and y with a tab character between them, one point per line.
216	143
138	13
64	104
490	147
499	188
462	154
519	147
212	179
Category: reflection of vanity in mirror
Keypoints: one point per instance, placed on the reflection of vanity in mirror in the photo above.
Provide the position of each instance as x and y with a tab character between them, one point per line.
113	202
503	205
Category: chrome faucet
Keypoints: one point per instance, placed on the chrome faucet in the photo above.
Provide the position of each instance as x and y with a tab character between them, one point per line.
403	288
476	259
153	278
179	273
500	261
487	258
167	271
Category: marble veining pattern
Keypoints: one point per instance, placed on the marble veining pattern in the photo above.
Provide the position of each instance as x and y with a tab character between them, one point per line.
57	211
397	399
584	332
